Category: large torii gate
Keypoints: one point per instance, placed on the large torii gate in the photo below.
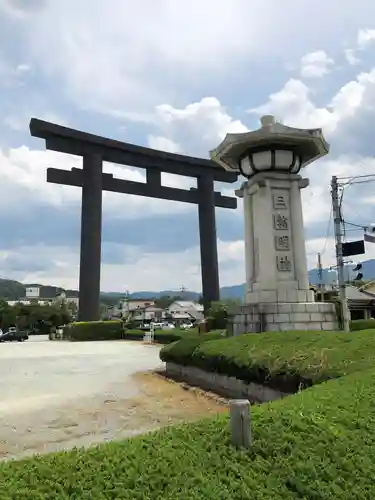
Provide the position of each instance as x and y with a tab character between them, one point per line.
94	150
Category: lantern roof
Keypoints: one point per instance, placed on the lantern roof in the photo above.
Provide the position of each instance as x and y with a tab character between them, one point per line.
308	144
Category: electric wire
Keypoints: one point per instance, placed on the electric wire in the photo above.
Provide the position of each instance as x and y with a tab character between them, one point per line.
327	234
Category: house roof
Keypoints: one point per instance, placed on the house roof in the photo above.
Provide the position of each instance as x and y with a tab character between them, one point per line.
188	305
352	293
183	315
191	314
139	305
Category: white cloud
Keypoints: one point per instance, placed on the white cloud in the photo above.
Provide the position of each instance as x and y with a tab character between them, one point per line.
351	57
23	177
144	271
163	144
13	75
193	129
365	38
20	119
294	106
316	64
134	61
163	53
198	127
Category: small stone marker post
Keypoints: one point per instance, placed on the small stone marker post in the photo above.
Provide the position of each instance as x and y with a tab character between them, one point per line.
149	336
240	423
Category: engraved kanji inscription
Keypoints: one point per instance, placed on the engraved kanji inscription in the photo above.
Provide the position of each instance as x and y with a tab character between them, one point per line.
280	222
282	242
283	263
279	202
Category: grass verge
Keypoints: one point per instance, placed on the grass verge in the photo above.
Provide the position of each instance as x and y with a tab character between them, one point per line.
283	360
315	445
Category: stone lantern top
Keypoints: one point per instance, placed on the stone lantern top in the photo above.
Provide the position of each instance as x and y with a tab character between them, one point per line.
273	146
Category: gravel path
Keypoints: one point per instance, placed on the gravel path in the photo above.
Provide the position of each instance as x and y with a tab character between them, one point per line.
57	395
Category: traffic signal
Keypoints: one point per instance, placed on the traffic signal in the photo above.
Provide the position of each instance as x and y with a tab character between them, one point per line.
359	276
369	235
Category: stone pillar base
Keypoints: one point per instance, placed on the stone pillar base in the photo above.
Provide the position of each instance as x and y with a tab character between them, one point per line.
279	317
280	295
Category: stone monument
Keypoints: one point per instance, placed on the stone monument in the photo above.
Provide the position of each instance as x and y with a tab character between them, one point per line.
277	288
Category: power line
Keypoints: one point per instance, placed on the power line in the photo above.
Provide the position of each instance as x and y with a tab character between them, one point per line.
327	234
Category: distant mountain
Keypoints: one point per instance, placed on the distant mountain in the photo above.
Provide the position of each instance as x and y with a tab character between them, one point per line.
368	271
233	292
11	290
184	295
14	290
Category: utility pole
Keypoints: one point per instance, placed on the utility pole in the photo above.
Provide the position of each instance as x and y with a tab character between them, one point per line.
339	257
320	274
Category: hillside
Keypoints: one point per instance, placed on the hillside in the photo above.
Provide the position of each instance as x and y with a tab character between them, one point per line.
14	290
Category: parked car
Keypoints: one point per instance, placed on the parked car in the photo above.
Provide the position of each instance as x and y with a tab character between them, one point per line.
144	327
168	326
187	326
13	335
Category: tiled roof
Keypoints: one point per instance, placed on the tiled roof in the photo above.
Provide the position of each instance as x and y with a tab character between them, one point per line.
352	293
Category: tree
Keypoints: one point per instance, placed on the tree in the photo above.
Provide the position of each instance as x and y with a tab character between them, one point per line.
165	301
35	318
8	315
219	311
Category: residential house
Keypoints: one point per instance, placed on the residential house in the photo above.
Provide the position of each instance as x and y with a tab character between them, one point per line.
183	311
147	314
34	295
127	307
361	303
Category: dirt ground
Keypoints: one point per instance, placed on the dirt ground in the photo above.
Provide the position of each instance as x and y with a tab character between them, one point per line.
93	419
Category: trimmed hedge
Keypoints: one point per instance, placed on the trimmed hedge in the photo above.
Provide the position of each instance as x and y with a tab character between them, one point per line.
316	445
362	324
181	351
170	336
94	330
285	360
160	336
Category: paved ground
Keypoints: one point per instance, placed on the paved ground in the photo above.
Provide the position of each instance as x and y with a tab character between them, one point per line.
56	395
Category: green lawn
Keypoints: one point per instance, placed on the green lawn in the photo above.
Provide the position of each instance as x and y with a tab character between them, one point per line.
316	445
280	359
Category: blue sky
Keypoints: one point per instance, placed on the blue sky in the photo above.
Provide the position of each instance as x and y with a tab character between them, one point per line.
175	76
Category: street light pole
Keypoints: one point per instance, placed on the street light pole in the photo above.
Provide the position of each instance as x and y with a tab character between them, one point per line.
339	256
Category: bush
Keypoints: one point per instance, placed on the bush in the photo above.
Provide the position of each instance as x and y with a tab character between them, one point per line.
362	324
285	360
180	351
219	312
161	336
94	330
315	445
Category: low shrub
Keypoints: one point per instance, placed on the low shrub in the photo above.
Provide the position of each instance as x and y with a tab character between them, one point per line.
315	445
180	351
94	330
286	360
362	324
162	336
